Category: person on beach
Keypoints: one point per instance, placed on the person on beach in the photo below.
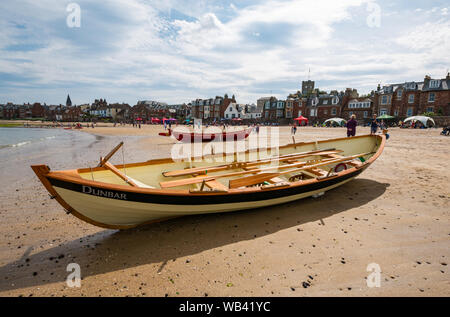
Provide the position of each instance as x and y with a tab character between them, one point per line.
294	129
374	125
351	126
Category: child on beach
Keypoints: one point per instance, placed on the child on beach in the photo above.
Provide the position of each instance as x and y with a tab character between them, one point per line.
293	129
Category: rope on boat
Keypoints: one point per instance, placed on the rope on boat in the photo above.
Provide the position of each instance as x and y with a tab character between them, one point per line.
123	162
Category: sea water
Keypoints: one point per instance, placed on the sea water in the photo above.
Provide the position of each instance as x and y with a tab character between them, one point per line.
59	149
16	137
22	147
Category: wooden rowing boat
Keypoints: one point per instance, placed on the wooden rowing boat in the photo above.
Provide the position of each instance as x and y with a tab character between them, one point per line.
128	195
191	137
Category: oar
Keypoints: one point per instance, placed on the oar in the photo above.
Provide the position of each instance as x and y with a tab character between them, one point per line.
199	179
259	178
110	154
203	170
113	169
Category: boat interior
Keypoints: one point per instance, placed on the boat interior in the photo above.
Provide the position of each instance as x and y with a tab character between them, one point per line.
278	167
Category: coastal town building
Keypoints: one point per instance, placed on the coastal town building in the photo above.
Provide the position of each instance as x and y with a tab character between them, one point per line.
211	109
361	107
414	98
37	110
243	111
270	109
324	106
102	110
299	107
253	112
289	108
148	109
407	99
435	96
234	111
262	101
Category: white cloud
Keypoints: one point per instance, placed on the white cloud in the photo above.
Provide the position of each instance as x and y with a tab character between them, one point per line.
431	36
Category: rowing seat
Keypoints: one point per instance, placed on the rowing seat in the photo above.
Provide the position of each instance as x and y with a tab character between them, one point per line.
318	171
276	185
216	186
139	184
213	184
353	163
314	172
276	180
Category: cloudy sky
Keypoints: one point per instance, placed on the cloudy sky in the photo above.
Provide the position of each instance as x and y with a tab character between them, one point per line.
179	50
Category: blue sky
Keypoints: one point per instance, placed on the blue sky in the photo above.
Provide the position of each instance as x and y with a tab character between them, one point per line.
178	50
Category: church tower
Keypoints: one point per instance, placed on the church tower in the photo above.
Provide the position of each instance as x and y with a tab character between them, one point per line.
307	87
68	101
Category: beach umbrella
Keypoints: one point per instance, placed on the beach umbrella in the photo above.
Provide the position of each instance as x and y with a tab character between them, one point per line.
339	121
385	117
423	119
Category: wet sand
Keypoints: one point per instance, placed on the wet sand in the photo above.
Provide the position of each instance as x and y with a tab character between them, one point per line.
395	214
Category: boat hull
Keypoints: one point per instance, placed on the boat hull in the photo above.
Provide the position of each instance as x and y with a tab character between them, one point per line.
120	213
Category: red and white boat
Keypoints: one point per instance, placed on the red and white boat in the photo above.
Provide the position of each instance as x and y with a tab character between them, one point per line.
190	137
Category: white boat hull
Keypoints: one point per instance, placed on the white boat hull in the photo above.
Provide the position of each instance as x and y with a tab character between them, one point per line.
126	213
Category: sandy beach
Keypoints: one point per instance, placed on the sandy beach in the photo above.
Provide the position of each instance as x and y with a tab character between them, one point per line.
396	214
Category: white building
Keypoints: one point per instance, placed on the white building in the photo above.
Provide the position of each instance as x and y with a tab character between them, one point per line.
234	111
254	112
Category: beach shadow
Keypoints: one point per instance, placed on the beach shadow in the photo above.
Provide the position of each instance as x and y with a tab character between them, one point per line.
112	250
